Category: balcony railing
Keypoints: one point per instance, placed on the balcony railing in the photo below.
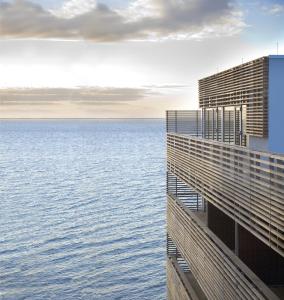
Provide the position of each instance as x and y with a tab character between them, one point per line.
220	124
184	121
246	185
220	274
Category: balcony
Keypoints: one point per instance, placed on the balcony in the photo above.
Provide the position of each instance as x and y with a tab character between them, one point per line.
225	206
246	185
225	124
216	269
205	150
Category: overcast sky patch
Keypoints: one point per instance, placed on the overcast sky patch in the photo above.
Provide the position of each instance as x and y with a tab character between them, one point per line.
141	20
94	95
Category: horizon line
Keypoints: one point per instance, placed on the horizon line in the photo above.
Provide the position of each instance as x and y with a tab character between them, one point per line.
118	118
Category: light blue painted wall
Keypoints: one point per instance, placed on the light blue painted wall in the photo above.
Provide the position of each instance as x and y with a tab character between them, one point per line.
276	104
258	143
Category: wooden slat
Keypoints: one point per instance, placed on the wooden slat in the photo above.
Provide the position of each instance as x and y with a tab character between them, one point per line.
178	286
246	185
246	84
220	274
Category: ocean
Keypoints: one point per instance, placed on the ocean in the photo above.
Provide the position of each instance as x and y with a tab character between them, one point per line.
82	209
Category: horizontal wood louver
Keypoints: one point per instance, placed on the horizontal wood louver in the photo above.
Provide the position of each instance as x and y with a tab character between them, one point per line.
246	185
220	274
246	84
176	286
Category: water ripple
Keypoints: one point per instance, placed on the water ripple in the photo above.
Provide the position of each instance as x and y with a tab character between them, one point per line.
82	210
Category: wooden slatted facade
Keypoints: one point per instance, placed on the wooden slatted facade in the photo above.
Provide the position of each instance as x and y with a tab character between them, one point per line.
246	185
220	274
246	84
225	204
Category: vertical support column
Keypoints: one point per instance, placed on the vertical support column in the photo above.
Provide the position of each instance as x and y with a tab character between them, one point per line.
229	126
197	202
213	124
208	123
236	238
217	124
235	125
203	122
205	202
223	124
241	125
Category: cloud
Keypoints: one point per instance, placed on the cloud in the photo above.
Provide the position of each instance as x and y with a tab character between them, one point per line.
85	102
74	8
274	9
167	86
142	20
84	95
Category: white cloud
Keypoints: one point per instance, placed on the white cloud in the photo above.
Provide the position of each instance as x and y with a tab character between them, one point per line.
73	8
274	9
86	95
142	20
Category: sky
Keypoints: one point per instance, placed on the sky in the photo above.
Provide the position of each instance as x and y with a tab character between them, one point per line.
124	58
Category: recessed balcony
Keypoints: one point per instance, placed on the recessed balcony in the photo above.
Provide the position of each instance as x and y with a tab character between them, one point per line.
217	271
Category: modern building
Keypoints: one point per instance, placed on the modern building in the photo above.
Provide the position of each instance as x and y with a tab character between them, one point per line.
225	187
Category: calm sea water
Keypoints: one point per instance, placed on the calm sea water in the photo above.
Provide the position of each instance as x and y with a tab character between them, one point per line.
82	209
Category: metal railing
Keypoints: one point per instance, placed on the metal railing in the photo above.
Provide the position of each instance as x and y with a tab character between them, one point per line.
184	121
220	124
190	198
